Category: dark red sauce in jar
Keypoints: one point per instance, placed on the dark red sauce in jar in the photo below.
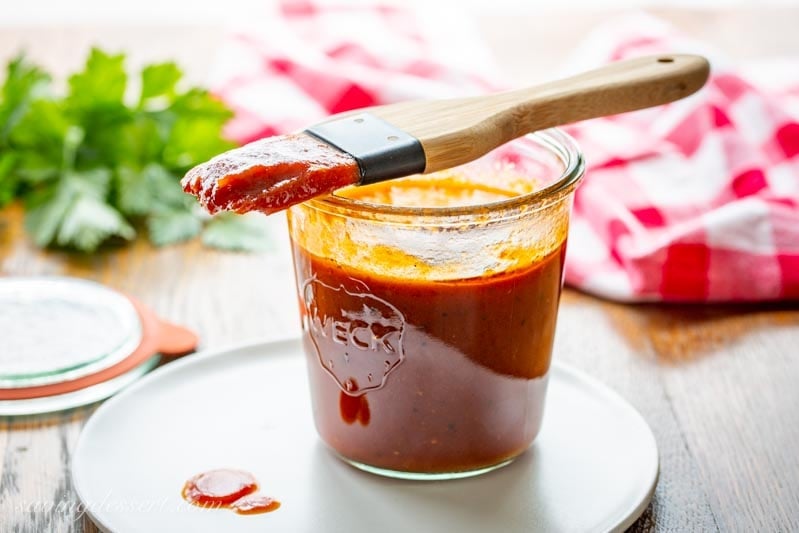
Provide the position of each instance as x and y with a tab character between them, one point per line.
421	375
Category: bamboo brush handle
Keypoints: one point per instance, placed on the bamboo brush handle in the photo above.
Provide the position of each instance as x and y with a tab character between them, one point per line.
453	132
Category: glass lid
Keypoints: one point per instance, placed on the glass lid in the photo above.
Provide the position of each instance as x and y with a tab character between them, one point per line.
55	329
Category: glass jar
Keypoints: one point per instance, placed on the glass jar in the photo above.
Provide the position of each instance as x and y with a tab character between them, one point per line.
428	308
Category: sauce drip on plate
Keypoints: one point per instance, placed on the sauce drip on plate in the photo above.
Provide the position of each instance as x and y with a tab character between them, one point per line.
228	489
255	504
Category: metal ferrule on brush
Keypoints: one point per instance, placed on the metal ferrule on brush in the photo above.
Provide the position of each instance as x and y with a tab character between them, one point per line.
382	150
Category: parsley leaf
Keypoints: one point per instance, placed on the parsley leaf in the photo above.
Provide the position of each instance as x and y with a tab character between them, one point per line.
24	82
74	214
173	225
90	167
8	182
159	80
238	232
101	84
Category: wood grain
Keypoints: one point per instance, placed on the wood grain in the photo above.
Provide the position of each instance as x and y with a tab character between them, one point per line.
457	131
247	302
717	384
714	384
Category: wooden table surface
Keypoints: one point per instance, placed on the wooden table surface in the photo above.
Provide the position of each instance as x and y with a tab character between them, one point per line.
717	384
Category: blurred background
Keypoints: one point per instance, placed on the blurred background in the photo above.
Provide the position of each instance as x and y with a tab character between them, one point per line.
717	382
548	31
49	11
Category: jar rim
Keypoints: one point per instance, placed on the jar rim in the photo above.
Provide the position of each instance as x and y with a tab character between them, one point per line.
557	142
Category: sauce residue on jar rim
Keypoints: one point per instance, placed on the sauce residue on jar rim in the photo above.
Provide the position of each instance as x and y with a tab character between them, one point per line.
445	188
347	233
228	488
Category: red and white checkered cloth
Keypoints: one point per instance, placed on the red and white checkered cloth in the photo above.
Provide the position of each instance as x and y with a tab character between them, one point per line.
694	201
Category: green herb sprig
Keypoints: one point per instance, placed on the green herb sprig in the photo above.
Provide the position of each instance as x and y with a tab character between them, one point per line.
95	165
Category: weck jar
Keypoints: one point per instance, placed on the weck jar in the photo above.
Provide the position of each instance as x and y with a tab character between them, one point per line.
429	305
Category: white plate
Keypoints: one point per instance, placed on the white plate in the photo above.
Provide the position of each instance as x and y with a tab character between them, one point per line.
593	467
70	400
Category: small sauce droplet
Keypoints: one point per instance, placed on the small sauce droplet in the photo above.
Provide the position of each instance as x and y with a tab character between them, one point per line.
255	504
354	409
227	488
